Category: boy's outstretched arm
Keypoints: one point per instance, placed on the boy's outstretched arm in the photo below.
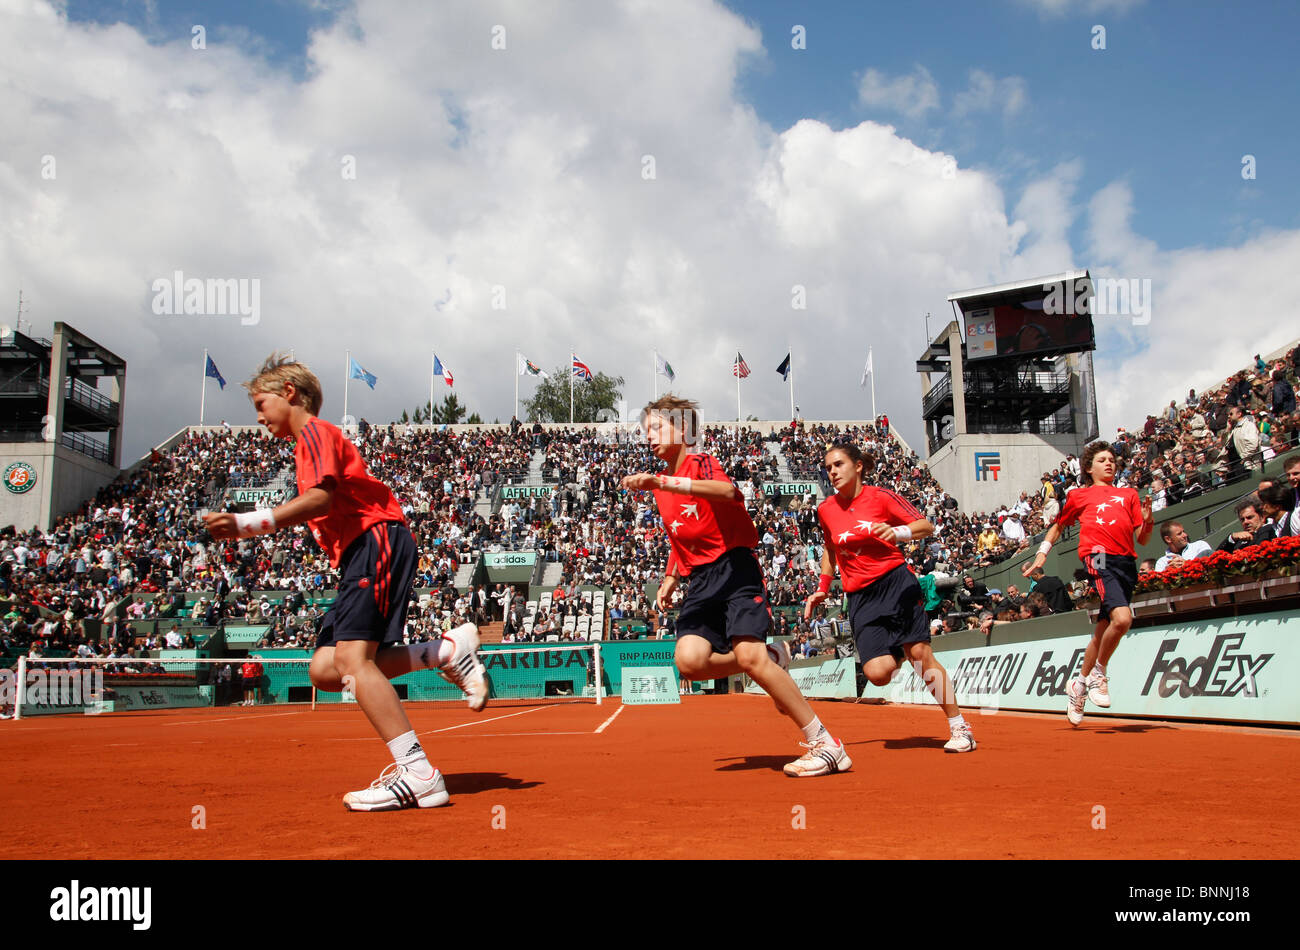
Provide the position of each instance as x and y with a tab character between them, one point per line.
224	525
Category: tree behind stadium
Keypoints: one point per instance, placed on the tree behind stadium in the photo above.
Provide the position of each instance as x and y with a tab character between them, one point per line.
550	401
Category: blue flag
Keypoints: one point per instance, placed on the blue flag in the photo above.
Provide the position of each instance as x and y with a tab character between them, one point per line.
212	372
784	368
358	372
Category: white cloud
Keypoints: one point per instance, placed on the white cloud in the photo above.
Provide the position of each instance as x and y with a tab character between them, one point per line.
986	93
912	95
522	168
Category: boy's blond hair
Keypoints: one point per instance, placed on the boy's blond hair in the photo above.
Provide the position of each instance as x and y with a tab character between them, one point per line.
280	369
684	413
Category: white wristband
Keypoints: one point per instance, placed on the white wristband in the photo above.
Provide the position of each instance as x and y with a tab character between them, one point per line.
248	524
1044	548
902	533
677	483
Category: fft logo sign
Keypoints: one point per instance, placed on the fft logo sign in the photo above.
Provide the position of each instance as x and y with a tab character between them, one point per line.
19	477
987	463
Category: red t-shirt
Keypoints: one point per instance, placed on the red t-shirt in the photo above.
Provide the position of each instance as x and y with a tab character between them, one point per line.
701	530
846	529
360	501
1107	518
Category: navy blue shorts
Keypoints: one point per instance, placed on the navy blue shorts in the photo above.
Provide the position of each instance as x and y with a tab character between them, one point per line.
376	572
1113	577
726	599
888	613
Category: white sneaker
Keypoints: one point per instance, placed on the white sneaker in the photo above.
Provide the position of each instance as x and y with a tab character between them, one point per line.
822	758
465	669
961	741
1076	692
397	788
779	651
1098	690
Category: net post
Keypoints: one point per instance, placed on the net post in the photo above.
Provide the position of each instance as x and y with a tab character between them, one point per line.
313	697
600	680
21	687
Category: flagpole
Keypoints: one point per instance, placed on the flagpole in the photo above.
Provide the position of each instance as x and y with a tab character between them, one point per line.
432	364
654	372
204	392
517	358
872	362
571	359
347	374
736	369
791	352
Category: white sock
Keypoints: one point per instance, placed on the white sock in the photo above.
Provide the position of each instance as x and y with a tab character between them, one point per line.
814	729
956	722
1099	669
406	750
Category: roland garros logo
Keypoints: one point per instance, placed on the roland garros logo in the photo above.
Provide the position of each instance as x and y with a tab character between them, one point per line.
19	477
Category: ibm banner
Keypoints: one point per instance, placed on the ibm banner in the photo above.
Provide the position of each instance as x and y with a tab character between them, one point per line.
1229	668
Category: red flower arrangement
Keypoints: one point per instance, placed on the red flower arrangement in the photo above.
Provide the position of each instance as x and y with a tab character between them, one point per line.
1280	555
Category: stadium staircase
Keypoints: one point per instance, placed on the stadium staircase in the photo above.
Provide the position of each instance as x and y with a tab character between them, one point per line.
782	466
464	573
535	468
553	574
491	632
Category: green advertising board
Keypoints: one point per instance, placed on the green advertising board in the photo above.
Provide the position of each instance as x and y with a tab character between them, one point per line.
525	491
245	638
790	488
650	685
510	558
515	671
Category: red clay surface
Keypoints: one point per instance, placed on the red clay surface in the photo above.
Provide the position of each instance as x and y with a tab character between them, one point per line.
697	780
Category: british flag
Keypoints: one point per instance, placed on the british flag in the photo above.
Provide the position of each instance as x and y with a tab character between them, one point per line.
580	369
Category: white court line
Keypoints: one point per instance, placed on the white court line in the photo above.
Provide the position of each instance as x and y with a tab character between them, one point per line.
601	727
191	722
472	722
497	735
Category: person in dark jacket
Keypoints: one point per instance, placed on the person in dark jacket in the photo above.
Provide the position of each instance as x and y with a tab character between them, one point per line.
1053	590
1283	394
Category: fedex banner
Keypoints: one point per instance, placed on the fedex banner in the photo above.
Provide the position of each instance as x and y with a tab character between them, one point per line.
1232	668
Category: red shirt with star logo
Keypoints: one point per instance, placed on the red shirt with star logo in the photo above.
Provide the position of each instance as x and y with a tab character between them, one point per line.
701	530
361	501
1107	518
846	529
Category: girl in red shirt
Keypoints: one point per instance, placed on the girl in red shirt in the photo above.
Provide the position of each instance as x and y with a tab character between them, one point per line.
862	527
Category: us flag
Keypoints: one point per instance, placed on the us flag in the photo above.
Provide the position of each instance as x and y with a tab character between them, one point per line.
740	368
580	369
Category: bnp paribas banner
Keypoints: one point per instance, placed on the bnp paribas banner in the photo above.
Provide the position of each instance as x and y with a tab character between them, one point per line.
1234	668
829	679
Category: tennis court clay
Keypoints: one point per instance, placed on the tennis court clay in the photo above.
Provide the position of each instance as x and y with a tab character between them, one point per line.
702	779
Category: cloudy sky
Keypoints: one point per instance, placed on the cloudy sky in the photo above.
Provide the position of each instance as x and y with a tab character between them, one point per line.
473	177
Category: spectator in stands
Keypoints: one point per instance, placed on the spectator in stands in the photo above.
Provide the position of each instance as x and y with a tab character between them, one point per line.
1277	503
1243	448
1051	589
1178	549
973	595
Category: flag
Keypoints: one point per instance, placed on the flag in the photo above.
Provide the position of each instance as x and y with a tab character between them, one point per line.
359	372
866	370
784	368
440	370
740	367
580	369
665	369
212	372
529	368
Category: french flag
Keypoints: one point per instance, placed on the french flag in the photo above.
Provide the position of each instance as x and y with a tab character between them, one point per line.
440	370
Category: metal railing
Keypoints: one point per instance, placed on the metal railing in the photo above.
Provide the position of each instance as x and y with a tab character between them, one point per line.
87	446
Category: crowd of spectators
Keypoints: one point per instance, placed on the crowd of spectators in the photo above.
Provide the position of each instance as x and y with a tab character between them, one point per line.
135	551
